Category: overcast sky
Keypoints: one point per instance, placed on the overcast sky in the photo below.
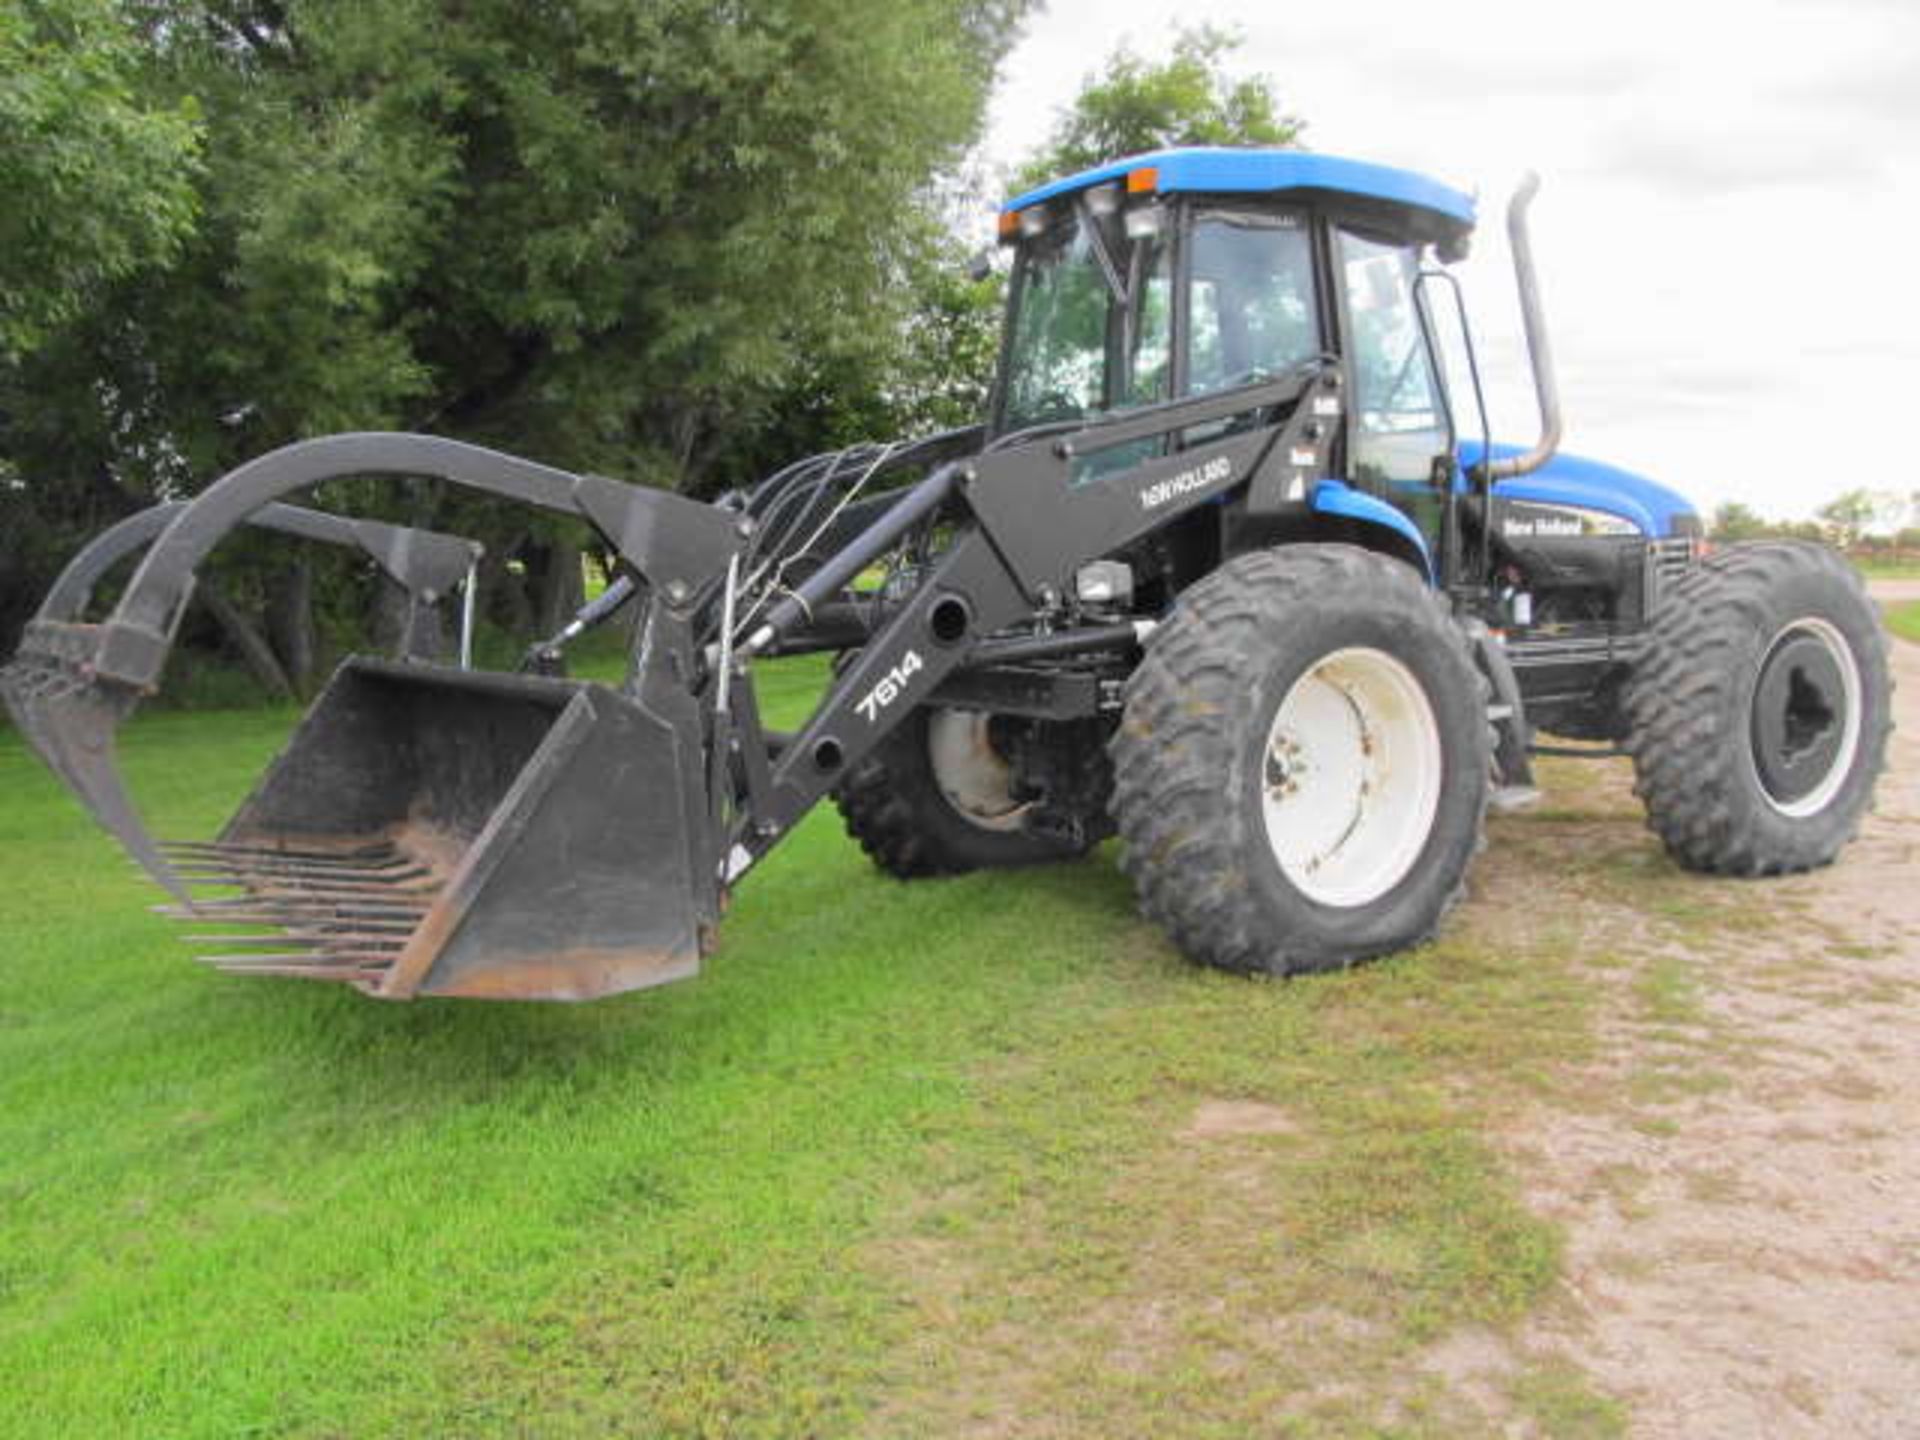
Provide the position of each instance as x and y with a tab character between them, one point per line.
1728	232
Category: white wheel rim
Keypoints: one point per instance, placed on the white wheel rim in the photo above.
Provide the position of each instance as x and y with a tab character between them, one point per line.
1835	644
975	777
1350	779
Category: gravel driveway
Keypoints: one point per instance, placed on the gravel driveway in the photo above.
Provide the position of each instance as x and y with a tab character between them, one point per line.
1745	1260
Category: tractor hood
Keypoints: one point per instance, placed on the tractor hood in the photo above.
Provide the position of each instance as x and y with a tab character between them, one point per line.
1579	483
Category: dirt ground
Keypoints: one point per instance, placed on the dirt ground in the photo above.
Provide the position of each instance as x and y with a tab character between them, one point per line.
1743	1251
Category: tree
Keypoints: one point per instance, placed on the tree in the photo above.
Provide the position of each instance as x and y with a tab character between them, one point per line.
1848	514
1134	105
930	371
1734	521
97	179
609	234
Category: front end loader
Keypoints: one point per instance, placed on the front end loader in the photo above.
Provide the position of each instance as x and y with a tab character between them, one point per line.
1223	570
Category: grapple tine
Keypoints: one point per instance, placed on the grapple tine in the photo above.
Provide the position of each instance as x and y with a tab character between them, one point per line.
252	908
302	892
326	940
344	960
276	874
253	940
70	716
383	853
292	967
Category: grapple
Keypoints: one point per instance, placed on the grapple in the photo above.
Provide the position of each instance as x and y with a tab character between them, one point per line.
428	830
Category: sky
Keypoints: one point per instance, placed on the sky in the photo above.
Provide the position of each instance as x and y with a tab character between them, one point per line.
1726	230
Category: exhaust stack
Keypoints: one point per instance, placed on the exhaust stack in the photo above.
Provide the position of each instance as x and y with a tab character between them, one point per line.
1539	352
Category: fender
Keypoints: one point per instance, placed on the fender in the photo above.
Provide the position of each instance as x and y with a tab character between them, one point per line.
1336	497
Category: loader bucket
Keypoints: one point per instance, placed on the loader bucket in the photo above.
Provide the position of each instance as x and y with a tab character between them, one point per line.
431	831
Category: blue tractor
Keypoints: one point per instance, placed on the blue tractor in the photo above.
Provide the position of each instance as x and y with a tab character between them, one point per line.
1232	567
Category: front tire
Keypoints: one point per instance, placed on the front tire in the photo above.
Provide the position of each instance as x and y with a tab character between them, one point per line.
1301	773
941	796
1759	710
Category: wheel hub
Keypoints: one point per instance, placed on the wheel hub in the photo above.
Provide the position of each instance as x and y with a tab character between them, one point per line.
1350	777
1804	723
970	770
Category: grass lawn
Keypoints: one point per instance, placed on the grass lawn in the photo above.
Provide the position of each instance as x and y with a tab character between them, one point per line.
974	1154
1904	620
1889	569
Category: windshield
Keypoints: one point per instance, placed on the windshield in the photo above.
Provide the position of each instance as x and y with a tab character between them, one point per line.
1077	348
1090	336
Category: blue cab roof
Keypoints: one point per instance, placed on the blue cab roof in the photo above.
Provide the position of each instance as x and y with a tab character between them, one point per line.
1214	169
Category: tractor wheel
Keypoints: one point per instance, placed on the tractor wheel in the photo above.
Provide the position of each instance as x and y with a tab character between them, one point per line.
1301	773
1758	711
942	795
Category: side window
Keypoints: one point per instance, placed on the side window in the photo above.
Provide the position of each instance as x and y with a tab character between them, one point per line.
1149	366
1250	299
1400	421
1206	359
1141	340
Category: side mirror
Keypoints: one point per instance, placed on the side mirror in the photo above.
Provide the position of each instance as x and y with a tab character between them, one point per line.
981	265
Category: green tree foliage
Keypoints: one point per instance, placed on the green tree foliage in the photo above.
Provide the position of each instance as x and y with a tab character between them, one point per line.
930	370
1135	104
1860	521
610	234
1848	513
1733	521
96	179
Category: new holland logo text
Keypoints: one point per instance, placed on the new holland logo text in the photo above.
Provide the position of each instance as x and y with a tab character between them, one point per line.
1185	483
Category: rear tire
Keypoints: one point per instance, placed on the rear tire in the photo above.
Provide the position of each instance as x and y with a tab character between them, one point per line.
1759	710
1301	775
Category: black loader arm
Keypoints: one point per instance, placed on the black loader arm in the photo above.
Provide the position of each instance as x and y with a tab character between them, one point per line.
1037	514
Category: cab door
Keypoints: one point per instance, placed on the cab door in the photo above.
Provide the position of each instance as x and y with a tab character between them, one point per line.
1397	414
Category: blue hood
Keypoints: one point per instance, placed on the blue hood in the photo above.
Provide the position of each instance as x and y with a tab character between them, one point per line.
1588	484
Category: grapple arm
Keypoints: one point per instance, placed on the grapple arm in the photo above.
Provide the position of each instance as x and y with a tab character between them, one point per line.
690	546
426	564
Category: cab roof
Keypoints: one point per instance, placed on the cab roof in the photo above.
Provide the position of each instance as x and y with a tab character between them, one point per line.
1219	170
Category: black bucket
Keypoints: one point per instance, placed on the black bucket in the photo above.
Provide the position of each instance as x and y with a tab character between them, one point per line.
431	831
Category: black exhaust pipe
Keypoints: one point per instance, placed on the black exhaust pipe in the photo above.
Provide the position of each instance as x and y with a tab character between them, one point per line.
1539	351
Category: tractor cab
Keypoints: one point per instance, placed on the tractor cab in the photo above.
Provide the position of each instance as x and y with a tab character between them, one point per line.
1186	272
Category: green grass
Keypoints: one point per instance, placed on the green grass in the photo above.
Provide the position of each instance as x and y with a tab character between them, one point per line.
903	1160
1888	569
1558	1400
1904	620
